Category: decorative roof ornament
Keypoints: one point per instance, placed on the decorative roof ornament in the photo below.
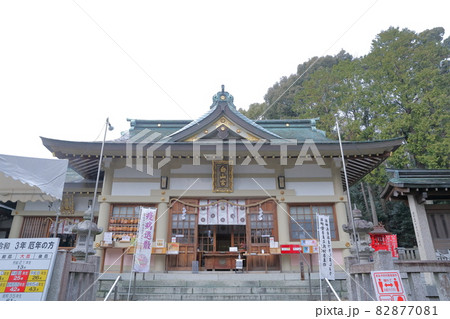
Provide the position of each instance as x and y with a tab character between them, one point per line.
380	230
223	96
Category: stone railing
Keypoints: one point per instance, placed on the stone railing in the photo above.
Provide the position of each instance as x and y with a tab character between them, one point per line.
413	254
422	280
408	253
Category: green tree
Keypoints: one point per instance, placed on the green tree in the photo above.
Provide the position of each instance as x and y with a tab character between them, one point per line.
410	94
280	98
400	88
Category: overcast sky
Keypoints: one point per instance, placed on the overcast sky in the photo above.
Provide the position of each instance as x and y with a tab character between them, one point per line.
65	66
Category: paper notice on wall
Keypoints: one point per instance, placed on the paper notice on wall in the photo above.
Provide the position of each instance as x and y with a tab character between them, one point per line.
107	237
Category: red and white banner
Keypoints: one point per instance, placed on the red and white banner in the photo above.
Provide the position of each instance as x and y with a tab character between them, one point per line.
143	253
388	285
392	243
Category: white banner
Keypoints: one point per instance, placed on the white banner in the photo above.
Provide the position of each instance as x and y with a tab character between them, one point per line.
222	213
325	248
144	239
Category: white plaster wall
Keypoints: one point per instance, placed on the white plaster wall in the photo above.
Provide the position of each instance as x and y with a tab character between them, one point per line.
36	206
80	204
190	183
311	188
133	188
192	169
258	183
308	171
132	172
252	169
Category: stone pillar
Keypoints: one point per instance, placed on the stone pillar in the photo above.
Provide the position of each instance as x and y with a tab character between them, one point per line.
104	208
351	280
162	226
283	234
422	229
16	226
383	260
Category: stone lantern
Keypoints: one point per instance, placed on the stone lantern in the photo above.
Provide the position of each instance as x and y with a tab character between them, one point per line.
361	235
82	231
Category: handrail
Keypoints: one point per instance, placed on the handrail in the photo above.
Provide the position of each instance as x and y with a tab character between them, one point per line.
332	289
113	287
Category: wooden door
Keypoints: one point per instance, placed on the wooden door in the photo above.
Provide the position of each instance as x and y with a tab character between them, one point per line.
183	226
260	227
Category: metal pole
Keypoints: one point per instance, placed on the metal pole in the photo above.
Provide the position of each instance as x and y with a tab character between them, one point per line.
55	231
58	213
96	188
349	205
320	264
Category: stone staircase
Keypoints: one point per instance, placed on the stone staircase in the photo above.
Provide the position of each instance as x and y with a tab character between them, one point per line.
217	286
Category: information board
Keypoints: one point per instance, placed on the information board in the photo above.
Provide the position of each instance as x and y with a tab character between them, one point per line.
26	266
388	285
309	246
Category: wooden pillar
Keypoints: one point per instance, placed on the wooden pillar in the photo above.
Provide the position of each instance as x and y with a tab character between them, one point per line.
16	226
162	226
104	208
422	229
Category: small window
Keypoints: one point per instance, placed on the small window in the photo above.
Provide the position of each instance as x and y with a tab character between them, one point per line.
303	221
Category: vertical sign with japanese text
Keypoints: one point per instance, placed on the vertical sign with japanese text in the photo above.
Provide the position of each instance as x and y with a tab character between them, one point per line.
26	266
143	252
392	244
325	249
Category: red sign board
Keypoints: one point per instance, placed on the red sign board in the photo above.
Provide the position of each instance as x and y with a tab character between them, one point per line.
291	249
391	241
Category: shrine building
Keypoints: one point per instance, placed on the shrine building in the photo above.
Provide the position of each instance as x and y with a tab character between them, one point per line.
223	186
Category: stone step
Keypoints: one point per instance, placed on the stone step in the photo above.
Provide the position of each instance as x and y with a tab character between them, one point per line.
223	283
213	288
223	297
222	290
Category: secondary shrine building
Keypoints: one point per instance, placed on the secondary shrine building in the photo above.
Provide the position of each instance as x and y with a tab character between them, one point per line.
223	185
